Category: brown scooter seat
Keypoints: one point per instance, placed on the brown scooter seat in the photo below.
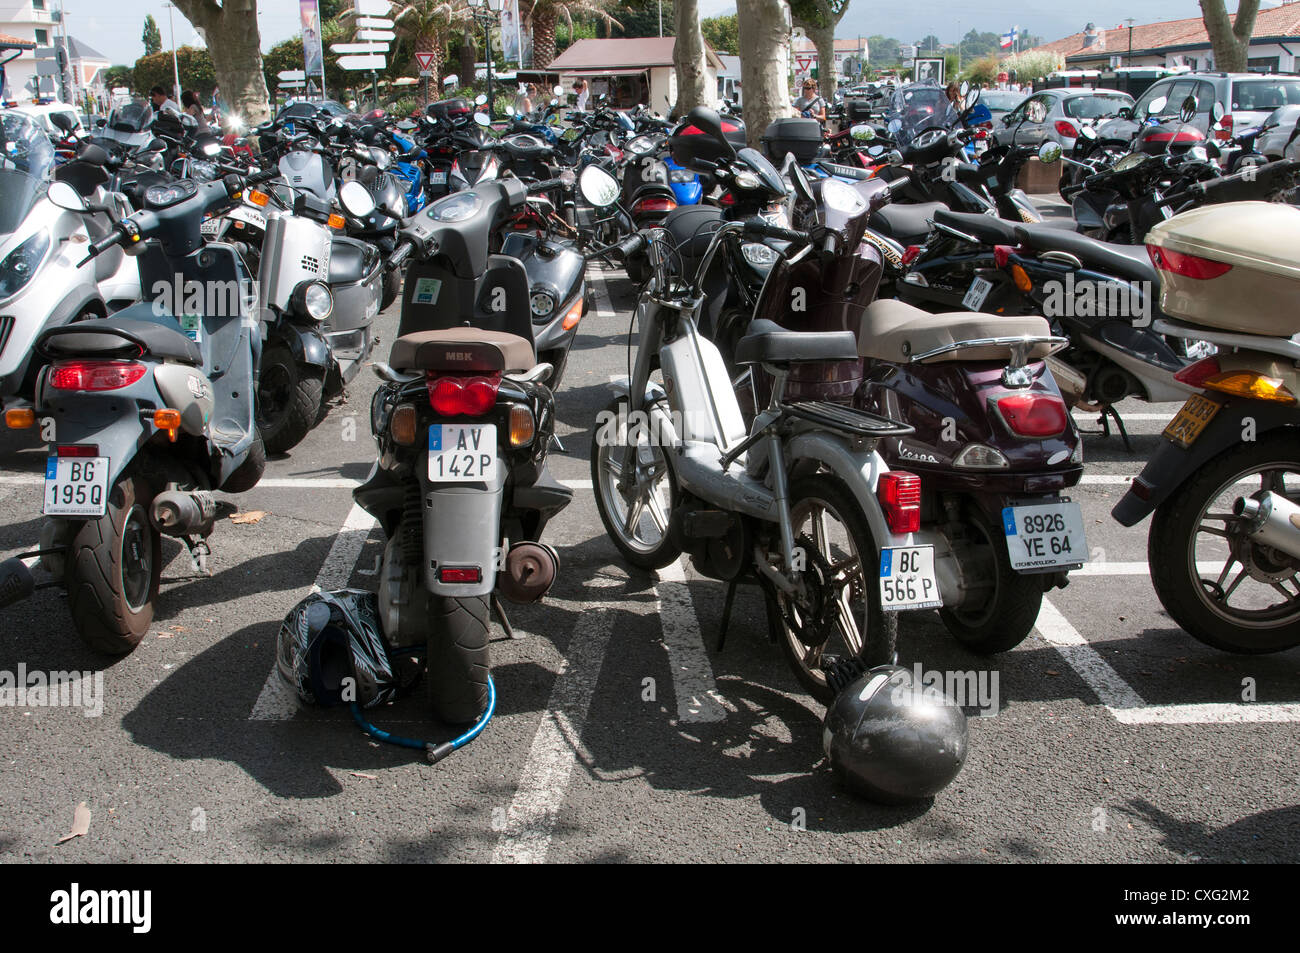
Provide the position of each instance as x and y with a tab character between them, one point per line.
462	349
894	331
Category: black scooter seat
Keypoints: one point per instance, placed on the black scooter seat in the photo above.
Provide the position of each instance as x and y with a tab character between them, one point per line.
121	338
1124	261
769	343
905	224
986	228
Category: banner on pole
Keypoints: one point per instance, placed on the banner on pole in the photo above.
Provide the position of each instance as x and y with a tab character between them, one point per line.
313	56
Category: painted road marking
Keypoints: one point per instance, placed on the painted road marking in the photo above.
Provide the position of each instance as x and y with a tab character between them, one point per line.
693	683
287	483
277	701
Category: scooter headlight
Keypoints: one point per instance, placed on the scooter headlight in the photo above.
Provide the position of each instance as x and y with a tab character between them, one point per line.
842	197
681	175
22	263
641	145
313	300
455	208
759	254
542	303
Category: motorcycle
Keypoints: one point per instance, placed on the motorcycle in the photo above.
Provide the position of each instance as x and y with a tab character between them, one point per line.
1223	487
463	420
153	409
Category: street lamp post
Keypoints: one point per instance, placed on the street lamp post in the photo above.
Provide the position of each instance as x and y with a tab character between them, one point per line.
176	71
485	13
1129	60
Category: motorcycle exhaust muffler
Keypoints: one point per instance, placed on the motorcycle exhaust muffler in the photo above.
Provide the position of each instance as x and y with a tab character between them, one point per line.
530	571
16	582
181	512
1271	520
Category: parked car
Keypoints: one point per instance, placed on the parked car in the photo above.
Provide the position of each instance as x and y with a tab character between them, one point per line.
1247	100
42	113
1274	140
1001	101
1067	110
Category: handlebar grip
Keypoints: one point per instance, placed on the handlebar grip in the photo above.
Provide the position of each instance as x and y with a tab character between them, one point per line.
631	245
758	228
399	255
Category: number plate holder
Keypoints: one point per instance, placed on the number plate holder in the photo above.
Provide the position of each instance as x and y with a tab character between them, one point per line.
462	453
75	486
1191	420
977	293
1045	537
907	579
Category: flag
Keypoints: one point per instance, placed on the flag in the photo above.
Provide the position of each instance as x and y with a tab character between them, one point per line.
1009	38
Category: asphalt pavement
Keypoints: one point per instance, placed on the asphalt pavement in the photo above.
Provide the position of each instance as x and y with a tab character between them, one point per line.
621	734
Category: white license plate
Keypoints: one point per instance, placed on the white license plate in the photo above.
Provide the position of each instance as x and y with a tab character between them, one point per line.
907	579
75	486
438	178
248	216
1045	536
210	226
975	295
460	453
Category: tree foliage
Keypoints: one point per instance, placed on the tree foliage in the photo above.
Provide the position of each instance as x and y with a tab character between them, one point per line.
151	37
723	33
194	65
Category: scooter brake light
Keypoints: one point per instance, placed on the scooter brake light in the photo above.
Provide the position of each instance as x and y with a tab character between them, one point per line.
1001	255
78	450
460	574
1195	375
899	494
1033	415
95	375
463	396
1186	266
654	205
911	254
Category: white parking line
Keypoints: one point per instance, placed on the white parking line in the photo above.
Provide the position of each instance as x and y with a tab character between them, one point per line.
1092	417
277	701
697	693
604	303
286	483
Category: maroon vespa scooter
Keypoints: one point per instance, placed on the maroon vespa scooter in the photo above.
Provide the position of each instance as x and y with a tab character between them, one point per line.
994	443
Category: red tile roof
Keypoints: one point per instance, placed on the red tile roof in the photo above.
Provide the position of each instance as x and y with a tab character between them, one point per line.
11	41
1277	21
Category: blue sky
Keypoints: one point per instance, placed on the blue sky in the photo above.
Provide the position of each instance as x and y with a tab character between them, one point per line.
115	30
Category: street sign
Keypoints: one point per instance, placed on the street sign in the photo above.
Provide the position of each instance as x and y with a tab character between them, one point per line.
374	23
290	74
387	35
426	73
45	52
373	62
47	68
372	8
293	84
358	47
804	61
425	62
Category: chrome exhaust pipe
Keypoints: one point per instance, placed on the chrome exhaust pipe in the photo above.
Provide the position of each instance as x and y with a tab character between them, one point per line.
1271	520
181	512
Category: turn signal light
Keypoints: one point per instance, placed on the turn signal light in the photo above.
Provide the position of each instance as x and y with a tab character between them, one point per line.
573	317
463	396
20	418
337	221
899	494
1021	278
95	375
522	426
1186	266
1033	415
260	199
1245	383
402	425
168	420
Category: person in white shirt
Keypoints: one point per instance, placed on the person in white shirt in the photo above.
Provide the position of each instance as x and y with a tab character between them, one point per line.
580	87
162	101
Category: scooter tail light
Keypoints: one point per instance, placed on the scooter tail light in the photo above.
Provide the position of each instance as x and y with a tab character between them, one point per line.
1185	265
453	396
78	450
1224	131
460	574
899	494
654	205
1033	415
95	375
1195	375
912	253
1001	255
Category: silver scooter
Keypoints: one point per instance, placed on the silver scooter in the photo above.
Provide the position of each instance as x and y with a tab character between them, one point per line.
801	502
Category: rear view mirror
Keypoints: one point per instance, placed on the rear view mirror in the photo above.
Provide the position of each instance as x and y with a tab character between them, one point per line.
1036	112
1217	113
557	90
1157	106
356	199
63	121
64	196
862	133
482	119
480	99
1049	152
1188	111
598	187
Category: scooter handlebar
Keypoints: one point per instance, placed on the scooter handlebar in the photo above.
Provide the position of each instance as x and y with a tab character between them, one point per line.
760	228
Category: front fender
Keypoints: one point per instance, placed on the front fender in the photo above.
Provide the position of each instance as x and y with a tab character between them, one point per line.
1171	466
858	470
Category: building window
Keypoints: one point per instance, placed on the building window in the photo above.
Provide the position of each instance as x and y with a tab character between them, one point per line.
43	37
1264	64
38	4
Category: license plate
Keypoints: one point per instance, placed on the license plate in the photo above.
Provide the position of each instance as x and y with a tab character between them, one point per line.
907	579
979	290
462	454
75	486
1046	536
438	178
210	226
1193	418
248	216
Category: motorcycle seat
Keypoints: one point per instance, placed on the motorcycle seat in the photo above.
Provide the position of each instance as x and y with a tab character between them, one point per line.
894	331
847	171
986	228
121	338
351	260
906	224
467	350
769	343
1124	261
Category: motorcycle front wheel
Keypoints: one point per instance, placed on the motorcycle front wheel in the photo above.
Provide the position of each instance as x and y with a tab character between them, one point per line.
113	568
1222	587
288	400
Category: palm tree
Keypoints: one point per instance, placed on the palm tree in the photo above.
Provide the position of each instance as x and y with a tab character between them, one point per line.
427	24
543	15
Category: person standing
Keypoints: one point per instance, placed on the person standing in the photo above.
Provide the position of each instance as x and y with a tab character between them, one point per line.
158	96
190	100
810	104
580	87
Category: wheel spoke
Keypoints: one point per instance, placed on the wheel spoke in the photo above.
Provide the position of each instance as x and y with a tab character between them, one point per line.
1227	593
634	510
1282	589
1232	561
657	512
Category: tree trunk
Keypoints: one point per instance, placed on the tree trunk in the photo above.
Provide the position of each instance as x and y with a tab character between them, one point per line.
824	40
764	64
1229	39
235	45
468	57
428	43
689	59
543	36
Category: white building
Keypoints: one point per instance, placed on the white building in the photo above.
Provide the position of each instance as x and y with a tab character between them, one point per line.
850	57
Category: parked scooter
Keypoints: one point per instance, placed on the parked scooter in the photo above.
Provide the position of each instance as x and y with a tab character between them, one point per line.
153	409
1224	485
463	421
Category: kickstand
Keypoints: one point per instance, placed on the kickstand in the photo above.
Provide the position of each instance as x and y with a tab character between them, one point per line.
1107	413
199	553
500	611
726	614
559	447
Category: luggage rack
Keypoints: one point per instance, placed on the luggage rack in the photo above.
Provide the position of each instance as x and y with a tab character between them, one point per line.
848	419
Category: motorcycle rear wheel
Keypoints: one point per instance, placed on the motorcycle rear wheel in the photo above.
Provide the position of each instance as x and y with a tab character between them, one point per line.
1006	617
114	566
457	658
